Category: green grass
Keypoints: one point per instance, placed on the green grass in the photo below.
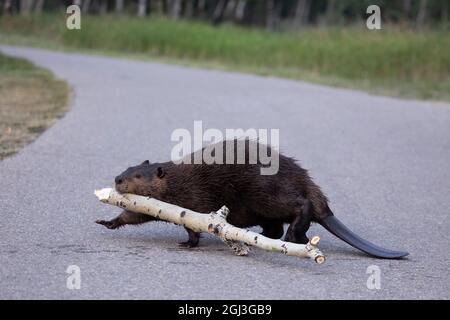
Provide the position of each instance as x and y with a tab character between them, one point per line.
31	100
391	61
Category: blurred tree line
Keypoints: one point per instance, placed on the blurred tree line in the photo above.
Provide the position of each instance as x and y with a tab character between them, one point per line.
271	14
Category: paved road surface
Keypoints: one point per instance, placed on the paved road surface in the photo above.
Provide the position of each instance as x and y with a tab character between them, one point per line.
384	163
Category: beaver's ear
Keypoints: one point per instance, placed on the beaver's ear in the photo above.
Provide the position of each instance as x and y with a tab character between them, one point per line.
145	163
160	172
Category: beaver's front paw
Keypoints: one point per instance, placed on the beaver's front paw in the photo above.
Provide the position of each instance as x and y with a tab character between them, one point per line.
112	224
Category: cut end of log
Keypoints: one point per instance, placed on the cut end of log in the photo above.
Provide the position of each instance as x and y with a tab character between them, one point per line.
320	259
103	194
315	240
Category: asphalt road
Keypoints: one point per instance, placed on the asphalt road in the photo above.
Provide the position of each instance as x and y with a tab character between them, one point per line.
383	162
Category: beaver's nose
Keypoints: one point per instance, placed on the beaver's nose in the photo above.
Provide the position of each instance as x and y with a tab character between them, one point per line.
118	180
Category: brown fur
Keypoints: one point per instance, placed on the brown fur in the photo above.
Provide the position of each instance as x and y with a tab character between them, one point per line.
290	196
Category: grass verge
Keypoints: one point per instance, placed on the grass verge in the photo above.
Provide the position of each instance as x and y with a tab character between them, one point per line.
391	61
31	100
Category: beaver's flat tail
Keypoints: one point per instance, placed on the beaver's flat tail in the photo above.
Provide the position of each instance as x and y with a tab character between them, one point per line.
336	227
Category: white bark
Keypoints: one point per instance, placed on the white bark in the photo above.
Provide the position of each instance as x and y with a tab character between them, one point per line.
142	8
214	223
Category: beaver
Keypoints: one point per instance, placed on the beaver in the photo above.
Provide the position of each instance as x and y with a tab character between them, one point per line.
288	197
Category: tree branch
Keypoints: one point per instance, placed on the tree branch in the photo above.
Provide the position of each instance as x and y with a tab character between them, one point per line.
213	223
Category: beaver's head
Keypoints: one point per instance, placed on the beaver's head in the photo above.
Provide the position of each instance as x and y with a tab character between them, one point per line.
145	179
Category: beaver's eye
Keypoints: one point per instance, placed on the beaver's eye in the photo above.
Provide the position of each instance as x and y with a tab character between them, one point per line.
138	176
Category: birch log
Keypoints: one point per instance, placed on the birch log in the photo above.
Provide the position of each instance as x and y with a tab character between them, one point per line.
214	223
